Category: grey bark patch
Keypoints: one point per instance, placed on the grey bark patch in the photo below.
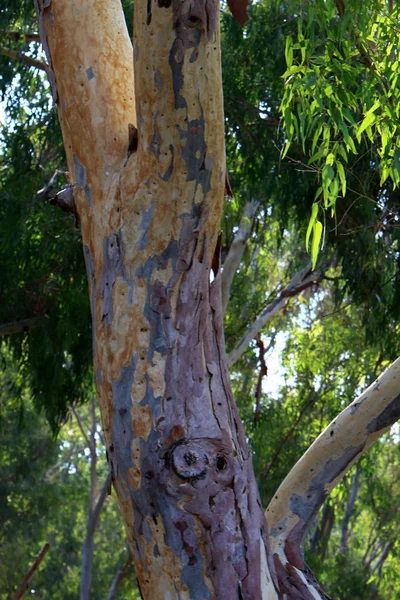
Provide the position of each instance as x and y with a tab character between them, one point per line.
155	143
145	223
159	80
388	416
92	282
130	283
175	62
121	428
194	151
111	269
89	73
80	175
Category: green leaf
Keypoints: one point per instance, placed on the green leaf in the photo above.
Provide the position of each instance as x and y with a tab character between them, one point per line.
317	234
367	122
289	51
342	177
314	213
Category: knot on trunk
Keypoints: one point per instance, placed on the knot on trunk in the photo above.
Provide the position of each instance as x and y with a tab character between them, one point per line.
190	461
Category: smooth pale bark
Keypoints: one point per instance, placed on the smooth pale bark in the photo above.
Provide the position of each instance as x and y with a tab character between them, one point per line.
302	493
150	219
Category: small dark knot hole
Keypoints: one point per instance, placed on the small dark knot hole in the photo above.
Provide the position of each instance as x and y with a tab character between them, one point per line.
221	463
190	458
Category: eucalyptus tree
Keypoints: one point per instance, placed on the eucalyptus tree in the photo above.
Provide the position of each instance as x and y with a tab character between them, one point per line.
146	168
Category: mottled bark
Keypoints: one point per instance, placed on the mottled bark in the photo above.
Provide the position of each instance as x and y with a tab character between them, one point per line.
149	214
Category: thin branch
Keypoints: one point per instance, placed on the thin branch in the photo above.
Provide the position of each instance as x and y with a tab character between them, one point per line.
119	577
17	326
349	511
262	372
300	281
99	504
80	425
379	563
313	398
236	251
19	36
25	582
304	490
28	60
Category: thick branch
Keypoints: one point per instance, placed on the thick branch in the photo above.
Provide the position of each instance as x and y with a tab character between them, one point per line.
300	281
24	585
236	251
91	71
17	326
28	60
304	490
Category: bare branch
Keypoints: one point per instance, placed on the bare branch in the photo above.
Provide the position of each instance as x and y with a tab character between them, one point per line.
300	281
119	577
47	190
236	250
25	582
304	490
17	326
28	60
263	371
80	425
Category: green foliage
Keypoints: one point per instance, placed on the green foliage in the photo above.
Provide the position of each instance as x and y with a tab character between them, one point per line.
44	490
341	93
341	121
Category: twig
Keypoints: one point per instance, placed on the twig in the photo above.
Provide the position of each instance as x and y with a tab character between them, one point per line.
28	60
80	425
17	36
25	582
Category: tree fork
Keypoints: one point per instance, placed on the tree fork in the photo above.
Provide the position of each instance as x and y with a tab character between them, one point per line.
149	218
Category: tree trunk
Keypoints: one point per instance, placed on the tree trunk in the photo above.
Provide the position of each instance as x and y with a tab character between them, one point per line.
149	212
